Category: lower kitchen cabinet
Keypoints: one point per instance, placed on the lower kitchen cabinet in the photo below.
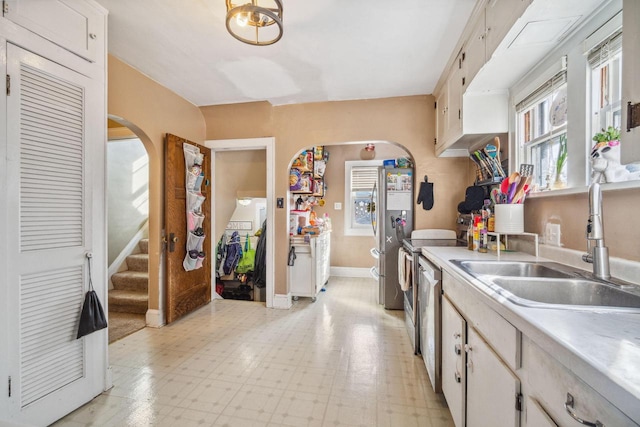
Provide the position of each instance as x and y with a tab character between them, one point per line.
311	266
453	361
550	383
492	389
479	387
494	375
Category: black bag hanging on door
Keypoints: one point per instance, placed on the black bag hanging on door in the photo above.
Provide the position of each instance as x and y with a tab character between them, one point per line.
92	317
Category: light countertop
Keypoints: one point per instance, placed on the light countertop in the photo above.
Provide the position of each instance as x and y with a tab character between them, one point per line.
601	347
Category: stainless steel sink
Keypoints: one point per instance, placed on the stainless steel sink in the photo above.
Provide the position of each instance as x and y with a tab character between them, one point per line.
552	285
514	268
571	292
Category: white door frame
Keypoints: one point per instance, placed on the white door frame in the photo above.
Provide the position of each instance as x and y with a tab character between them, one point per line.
267	144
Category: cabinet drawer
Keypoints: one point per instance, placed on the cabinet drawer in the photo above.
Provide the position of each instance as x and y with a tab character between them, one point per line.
503	337
549	382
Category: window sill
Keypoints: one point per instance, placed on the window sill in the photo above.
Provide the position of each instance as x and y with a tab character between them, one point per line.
615	186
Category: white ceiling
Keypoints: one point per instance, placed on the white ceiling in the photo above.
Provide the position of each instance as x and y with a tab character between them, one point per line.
332	50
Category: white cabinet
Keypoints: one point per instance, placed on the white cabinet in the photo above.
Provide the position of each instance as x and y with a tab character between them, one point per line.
491	386
72	24
549	383
465	119
310	269
536	416
480	352
53	212
453	361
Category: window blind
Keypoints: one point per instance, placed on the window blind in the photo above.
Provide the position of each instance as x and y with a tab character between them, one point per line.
363	178
543	90
605	50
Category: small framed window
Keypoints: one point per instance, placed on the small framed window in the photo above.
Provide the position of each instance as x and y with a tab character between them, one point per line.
360	179
605	68
542	132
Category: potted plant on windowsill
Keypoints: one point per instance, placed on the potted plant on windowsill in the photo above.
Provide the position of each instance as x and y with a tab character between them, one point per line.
605	159
561	161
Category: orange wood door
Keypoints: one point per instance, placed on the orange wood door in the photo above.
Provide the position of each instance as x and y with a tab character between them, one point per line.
185	290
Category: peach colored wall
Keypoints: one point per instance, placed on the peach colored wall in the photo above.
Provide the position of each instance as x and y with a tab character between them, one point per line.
243	171
407	121
622	236
151	111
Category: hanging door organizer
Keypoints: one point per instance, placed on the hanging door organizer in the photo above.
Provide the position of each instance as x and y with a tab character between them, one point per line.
194	177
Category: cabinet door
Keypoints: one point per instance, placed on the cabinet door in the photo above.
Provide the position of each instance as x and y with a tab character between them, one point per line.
72	24
475	48
454	115
54	201
453	361
492	388
500	17
442	104
537	416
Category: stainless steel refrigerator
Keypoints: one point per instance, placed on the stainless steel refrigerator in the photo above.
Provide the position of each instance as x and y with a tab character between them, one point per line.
392	221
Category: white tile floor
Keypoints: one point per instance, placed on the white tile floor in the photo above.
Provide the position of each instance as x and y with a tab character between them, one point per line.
341	361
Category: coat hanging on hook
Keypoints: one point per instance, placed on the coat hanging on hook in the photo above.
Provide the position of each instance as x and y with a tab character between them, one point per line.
425	195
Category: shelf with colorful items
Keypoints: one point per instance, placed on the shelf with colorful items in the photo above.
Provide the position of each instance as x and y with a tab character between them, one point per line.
306	175
507	204
489	167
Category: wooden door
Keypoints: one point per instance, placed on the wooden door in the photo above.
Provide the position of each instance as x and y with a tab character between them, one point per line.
54	204
492	388
185	290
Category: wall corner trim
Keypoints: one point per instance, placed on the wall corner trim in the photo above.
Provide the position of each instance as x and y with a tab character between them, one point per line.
155	318
282	302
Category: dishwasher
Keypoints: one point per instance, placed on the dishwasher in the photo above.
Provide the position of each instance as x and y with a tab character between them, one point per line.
430	318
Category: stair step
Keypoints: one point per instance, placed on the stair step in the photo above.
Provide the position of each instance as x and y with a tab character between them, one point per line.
131	281
144	245
125	301
138	262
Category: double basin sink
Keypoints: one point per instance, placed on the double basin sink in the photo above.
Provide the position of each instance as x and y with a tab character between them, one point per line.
552	285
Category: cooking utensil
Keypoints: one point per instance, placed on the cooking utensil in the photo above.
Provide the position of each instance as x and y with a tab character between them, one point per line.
526	169
514	180
496	142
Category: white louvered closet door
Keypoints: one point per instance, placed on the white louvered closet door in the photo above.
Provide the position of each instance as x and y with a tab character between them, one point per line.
49	194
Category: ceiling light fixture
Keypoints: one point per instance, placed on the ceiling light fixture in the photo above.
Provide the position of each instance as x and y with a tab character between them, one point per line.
257	23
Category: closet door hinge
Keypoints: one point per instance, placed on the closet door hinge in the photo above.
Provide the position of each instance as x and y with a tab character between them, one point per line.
5	7
519	402
8	85
9	386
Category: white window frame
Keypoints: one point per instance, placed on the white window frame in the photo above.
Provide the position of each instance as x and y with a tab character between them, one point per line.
349	229
544	92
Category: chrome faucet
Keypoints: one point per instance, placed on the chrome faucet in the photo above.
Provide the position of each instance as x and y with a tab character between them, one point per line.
598	255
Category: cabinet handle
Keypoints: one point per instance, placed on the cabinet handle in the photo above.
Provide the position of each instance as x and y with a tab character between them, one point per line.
467	348
470	365
568	405
457	350
457	377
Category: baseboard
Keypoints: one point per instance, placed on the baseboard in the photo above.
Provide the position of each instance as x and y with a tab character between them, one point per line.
350	272
282	302
154	318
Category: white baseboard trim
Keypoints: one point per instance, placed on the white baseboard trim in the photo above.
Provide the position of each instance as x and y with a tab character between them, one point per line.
155	318
350	272
282	302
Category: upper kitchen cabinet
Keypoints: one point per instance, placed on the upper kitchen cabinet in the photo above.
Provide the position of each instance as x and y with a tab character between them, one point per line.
71	24
502	41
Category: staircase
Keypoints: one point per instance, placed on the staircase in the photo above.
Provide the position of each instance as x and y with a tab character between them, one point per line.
130	293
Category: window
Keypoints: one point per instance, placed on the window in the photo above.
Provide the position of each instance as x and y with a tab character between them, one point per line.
542	132
360	178
605	63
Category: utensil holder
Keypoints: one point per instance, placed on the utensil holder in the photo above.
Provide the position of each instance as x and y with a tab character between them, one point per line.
509	218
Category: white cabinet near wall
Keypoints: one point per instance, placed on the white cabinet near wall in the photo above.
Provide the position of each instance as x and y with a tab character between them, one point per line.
72	24
310	269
